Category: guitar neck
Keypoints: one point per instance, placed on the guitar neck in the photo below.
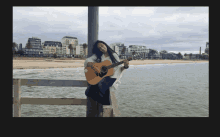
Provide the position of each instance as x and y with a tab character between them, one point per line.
114	65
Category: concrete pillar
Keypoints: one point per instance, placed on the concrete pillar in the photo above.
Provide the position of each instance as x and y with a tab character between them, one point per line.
93	18
93	25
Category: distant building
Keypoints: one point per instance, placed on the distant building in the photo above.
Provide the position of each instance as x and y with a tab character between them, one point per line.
193	56
205	56
36	49
33	51
118	47
66	41
20	46
52	43
179	56
127	55
115	47
52	47
137	49
207	44
35	42
163	51
79	50
165	55
111	46
140	51
84	51
153	54
207	48
133	48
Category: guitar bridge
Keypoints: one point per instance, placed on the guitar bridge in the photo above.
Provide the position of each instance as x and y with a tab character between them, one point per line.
101	74
97	74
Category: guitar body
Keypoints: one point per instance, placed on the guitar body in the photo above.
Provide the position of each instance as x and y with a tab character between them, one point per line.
94	78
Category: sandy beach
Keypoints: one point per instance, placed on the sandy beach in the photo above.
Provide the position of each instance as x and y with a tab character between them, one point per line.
41	63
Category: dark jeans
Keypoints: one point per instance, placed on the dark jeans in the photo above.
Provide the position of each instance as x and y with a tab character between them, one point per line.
97	96
100	91
94	109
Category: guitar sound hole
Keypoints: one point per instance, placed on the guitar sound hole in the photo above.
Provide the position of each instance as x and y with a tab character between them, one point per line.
101	74
104	69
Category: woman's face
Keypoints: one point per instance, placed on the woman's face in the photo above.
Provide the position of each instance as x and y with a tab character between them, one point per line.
102	47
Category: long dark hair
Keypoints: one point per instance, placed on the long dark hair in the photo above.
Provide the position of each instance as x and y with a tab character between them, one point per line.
98	53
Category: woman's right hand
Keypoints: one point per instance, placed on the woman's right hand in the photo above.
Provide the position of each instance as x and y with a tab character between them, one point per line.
90	64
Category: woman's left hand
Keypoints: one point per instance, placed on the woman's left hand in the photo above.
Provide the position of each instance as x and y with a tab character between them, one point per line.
126	63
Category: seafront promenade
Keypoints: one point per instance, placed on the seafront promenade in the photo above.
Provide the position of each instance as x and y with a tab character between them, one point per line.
44	63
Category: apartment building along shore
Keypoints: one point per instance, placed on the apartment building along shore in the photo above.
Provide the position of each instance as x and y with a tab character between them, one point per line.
69	47
36	47
65	48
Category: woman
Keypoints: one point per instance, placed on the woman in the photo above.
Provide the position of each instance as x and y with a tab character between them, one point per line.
98	95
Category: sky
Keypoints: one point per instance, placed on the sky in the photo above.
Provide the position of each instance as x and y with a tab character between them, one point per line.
174	29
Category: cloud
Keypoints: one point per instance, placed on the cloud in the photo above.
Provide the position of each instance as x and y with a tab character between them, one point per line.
117	12
116	37
52	14
48	36
188	9
143	11
158	27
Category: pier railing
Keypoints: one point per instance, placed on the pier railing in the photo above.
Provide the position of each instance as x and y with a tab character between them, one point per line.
109	110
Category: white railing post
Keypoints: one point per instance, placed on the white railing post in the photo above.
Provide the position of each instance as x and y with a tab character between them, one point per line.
17	97
115	109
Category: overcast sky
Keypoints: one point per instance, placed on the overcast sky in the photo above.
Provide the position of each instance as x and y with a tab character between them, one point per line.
175	29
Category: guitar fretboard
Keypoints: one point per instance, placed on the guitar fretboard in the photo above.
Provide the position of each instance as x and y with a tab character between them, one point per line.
114	65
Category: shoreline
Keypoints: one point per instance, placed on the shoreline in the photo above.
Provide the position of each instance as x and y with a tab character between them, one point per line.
55	63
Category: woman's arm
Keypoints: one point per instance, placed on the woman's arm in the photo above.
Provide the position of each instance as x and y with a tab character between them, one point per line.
90	64
89	61
122	68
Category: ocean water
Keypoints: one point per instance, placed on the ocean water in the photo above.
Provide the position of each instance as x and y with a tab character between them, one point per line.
155	90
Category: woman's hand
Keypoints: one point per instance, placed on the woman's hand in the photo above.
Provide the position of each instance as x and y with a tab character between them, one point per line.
90	64
126	63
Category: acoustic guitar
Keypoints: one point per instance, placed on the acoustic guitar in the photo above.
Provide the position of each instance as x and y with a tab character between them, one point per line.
100	70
